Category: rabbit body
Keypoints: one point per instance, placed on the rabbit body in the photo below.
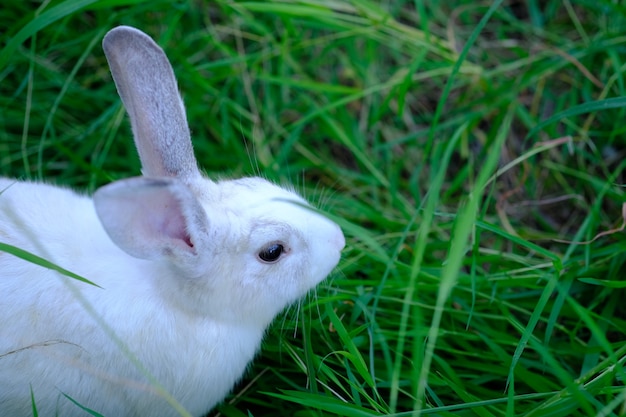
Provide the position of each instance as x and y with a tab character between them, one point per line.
189	274
197	359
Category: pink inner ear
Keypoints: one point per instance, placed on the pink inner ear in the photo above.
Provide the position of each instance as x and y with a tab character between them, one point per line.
165	220
174	226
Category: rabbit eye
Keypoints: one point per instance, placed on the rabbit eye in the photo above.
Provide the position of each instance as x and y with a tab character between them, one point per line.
271	253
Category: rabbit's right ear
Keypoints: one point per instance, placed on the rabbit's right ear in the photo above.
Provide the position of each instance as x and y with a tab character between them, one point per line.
154	218
145	81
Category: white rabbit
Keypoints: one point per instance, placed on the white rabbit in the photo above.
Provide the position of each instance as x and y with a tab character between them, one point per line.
190	271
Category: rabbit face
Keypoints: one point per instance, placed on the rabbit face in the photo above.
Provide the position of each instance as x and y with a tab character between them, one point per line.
270	243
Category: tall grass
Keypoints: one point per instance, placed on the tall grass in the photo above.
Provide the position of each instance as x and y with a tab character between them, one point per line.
472	152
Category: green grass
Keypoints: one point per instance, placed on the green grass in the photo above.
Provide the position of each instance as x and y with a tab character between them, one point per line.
471	153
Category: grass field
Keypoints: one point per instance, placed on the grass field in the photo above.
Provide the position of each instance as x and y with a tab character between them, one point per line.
473	153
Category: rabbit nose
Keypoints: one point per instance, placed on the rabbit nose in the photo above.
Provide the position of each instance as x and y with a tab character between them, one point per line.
338	240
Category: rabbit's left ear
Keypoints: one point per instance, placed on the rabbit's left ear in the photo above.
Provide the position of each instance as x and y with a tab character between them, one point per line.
153	219
145	81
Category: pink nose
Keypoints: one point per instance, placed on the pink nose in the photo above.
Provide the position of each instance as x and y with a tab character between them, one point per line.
339	240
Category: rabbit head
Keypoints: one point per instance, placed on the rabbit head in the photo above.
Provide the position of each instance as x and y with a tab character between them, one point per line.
241	249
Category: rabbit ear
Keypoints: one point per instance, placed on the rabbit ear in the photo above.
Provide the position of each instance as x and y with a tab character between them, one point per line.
153	218
145	81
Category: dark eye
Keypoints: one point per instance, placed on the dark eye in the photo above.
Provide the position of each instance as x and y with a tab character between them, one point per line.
272	252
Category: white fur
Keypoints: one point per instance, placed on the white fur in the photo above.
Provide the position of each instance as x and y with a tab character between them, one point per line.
183	298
